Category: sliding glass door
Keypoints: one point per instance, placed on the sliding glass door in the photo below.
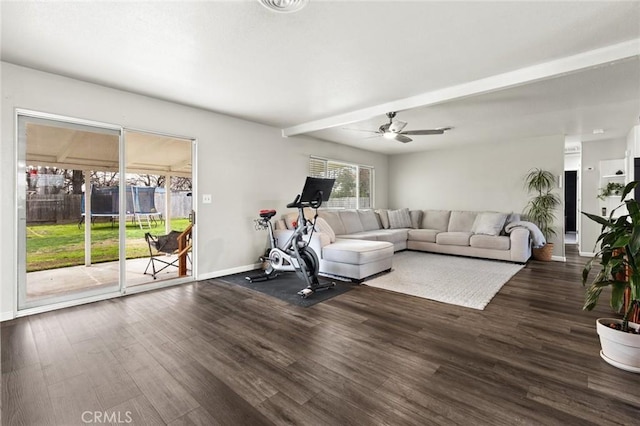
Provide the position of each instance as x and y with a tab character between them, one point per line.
101	211
68	209
159	232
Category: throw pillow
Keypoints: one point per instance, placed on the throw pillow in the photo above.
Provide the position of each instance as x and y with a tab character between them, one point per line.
416	218
489	223
291	218
384	218
323	227
512	217
334	221
399	219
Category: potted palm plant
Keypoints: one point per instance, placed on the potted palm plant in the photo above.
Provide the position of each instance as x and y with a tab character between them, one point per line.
619	258
541	208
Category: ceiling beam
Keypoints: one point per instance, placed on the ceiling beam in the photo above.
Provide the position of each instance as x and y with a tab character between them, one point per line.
146	171
73	163
67	146
181	165
543	71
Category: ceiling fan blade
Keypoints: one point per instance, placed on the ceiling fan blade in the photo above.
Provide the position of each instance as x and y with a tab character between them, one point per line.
384	128
397	126
360	130
402	138
427	131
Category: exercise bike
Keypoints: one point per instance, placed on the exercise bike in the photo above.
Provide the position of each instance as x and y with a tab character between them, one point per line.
296	255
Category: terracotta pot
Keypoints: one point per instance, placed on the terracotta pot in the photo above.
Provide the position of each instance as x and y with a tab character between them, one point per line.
622	350
543	253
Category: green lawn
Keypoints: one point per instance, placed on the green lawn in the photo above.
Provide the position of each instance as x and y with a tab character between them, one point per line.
58	246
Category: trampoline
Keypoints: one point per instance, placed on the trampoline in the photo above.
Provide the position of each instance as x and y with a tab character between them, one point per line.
140	205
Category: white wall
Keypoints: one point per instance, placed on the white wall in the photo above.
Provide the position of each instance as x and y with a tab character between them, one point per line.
592	153
633	150
572	162
244	165
475	177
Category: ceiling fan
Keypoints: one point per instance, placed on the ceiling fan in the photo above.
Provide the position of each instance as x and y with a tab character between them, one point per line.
393	130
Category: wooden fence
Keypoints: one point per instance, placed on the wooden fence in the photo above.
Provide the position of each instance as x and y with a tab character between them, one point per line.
65	208
53	208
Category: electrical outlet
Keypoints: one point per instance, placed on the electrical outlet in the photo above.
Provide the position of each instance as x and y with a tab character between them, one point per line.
206	198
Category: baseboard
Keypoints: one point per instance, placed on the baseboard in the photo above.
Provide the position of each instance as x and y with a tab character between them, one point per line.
67	304
558	258
6	316
586	254
230	271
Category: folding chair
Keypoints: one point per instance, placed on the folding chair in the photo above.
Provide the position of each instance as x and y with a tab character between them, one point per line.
166	245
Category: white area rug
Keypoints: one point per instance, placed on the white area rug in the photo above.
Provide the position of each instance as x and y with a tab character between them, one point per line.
450	279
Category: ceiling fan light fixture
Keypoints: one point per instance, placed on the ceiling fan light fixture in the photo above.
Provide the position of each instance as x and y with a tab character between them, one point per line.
284	6
389	135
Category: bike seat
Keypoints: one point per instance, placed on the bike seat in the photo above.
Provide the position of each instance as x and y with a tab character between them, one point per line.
267	214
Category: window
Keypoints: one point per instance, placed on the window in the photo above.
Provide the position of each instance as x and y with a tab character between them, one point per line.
354	183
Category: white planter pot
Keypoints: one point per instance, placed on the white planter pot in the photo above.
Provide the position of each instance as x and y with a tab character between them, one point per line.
622	350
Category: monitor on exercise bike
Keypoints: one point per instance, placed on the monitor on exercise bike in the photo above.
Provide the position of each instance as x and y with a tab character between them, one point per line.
315	191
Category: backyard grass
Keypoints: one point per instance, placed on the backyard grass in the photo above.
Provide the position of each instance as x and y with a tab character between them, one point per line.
59	246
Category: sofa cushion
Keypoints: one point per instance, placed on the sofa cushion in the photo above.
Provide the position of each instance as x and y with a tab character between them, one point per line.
489	223
461	221
426	235
357	252
392	235
399	219
490	242
453	238
351	221
323	227
383	215
334	221
364	235
436	219
369	220
416	218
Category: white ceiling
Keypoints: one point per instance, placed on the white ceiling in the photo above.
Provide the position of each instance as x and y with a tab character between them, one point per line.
335	58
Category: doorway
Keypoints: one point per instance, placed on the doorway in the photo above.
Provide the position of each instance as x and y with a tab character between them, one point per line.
571	206
87	196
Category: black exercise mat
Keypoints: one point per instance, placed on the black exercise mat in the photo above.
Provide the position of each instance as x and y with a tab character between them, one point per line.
286	286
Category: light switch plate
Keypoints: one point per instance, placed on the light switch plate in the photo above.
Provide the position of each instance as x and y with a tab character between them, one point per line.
206	198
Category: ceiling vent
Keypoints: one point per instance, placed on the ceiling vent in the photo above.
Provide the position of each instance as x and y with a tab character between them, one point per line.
284	6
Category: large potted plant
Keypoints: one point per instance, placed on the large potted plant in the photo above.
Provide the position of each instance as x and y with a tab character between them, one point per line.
619	258
541	208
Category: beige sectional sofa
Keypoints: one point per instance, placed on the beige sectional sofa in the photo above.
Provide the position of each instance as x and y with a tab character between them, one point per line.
359	243
453	232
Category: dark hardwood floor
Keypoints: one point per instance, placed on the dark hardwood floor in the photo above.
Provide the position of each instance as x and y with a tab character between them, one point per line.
212	353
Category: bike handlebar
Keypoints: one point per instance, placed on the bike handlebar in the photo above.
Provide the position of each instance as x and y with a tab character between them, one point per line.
296	203
315	203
